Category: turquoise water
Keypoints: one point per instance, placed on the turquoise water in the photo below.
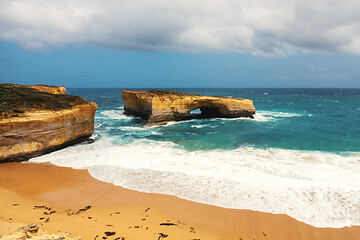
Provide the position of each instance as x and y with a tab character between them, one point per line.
302	119
299	156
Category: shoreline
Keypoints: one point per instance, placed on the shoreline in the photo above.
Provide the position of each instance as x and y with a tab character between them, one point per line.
63	188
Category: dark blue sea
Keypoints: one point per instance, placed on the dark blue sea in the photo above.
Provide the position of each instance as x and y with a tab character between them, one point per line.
299	156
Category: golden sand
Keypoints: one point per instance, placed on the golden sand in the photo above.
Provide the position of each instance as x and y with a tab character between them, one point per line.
63	200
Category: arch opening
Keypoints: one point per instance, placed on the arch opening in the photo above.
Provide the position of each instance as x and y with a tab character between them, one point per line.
195	112
204	112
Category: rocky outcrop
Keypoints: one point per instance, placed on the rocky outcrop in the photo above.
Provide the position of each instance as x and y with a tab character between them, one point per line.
162	106
43	123
49	89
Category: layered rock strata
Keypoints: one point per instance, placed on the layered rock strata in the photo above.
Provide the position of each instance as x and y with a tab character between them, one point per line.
33	123
49	89
158	106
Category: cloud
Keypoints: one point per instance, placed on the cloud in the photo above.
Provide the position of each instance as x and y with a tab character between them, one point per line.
259	27
315	68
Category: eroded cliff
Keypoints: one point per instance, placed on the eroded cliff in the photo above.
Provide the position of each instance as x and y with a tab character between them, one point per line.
49	89
163	106
33	122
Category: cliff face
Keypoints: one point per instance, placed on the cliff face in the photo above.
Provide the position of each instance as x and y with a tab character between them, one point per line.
162	106
32	132
49	89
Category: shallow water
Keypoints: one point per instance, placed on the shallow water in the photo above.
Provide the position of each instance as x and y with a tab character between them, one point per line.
300	155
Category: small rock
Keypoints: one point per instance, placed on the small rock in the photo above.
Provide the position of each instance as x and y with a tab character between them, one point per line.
110	233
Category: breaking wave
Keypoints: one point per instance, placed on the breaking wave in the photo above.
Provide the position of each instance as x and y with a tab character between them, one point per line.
317	188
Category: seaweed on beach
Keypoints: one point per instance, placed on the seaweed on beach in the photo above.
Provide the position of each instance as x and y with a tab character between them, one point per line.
110	233
16	99
168	224
162	235
79	211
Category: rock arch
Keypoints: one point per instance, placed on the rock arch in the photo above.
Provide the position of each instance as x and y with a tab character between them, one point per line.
163	106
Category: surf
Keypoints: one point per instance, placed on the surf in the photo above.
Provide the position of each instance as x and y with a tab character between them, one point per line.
314	187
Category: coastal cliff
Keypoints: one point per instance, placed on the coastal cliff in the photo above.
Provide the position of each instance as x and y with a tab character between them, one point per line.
49	89
157	106
37	120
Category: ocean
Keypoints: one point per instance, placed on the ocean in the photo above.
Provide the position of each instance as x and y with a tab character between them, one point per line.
299	156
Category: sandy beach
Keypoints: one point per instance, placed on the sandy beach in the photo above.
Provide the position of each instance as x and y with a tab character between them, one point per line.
64	200
189	120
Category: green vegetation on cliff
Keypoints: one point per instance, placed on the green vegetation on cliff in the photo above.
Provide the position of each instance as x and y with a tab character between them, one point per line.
44	85
17	99
164	92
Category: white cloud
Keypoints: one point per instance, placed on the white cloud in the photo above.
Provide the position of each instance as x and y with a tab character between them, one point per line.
261	27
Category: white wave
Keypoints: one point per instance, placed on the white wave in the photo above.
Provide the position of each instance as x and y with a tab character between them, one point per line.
317	188
266	116
260	116
94	136
148	130
99	117
172	123
115	114
280	114
131	128
198	126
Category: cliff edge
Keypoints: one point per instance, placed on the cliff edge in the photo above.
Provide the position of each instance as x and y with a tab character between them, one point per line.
49	89
35	120
159	106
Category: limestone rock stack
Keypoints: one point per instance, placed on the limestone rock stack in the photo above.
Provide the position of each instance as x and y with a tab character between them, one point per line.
40	119
158	106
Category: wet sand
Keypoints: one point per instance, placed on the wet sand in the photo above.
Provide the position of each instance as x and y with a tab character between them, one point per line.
72	201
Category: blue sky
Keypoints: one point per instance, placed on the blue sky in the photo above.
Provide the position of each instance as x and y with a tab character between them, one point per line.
101	67
169	44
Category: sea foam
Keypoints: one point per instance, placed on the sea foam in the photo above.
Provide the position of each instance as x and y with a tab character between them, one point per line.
265	116
114	114
317	188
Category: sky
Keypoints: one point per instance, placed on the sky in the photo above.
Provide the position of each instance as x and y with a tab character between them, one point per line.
169	44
